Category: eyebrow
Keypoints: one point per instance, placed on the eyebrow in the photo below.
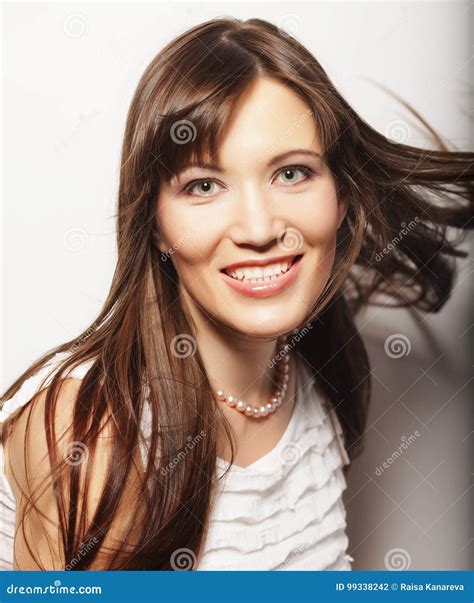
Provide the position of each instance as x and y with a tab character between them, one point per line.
276	159
283	156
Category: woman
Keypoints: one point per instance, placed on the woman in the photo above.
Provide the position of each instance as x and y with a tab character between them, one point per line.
205	418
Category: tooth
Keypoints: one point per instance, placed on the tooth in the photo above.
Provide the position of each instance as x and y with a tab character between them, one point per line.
257	274
269	270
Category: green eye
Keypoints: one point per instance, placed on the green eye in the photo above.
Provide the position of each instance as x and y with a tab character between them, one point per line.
201	188
204	187
290	174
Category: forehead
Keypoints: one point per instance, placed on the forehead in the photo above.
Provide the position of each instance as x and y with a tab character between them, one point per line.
267	119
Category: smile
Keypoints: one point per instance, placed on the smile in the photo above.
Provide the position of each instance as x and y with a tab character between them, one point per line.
262	280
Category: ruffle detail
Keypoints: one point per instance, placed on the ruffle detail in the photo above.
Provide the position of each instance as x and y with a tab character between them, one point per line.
277	523
325	553
342	563
285	511
319	439
310	426
314	472
314	546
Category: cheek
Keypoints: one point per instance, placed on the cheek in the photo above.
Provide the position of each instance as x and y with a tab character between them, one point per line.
318	216
190	235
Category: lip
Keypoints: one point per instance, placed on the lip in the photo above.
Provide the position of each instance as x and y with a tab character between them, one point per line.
261	261
265	289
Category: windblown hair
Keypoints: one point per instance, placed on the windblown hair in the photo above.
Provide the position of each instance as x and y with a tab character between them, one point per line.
198	77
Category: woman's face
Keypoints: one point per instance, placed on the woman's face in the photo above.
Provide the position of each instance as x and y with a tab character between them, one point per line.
269	199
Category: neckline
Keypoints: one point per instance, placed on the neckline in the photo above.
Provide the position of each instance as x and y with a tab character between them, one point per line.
300	385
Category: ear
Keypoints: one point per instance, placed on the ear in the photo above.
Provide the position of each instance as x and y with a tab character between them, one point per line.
158	239
343	206
161	246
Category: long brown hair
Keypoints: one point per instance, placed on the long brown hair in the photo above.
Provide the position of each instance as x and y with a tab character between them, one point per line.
189	90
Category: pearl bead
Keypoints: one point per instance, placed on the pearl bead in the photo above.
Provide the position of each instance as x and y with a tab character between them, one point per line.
282	378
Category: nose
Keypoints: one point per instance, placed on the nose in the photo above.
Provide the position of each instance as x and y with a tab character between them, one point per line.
256	219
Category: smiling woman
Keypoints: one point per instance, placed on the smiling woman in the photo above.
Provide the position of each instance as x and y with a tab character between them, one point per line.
257	208
252	203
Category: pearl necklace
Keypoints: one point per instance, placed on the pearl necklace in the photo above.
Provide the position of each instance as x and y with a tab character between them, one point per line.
282	385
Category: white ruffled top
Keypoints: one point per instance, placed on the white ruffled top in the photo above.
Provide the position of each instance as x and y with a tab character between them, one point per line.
282	512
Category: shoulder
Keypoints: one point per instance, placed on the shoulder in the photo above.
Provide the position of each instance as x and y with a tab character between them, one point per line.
28	471
34	434
28	406
25	434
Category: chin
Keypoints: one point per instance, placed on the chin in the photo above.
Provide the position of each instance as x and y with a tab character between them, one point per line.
270	327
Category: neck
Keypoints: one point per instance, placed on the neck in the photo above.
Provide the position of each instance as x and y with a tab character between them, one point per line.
242	367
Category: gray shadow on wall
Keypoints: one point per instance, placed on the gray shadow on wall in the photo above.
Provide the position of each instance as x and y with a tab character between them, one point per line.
409	496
